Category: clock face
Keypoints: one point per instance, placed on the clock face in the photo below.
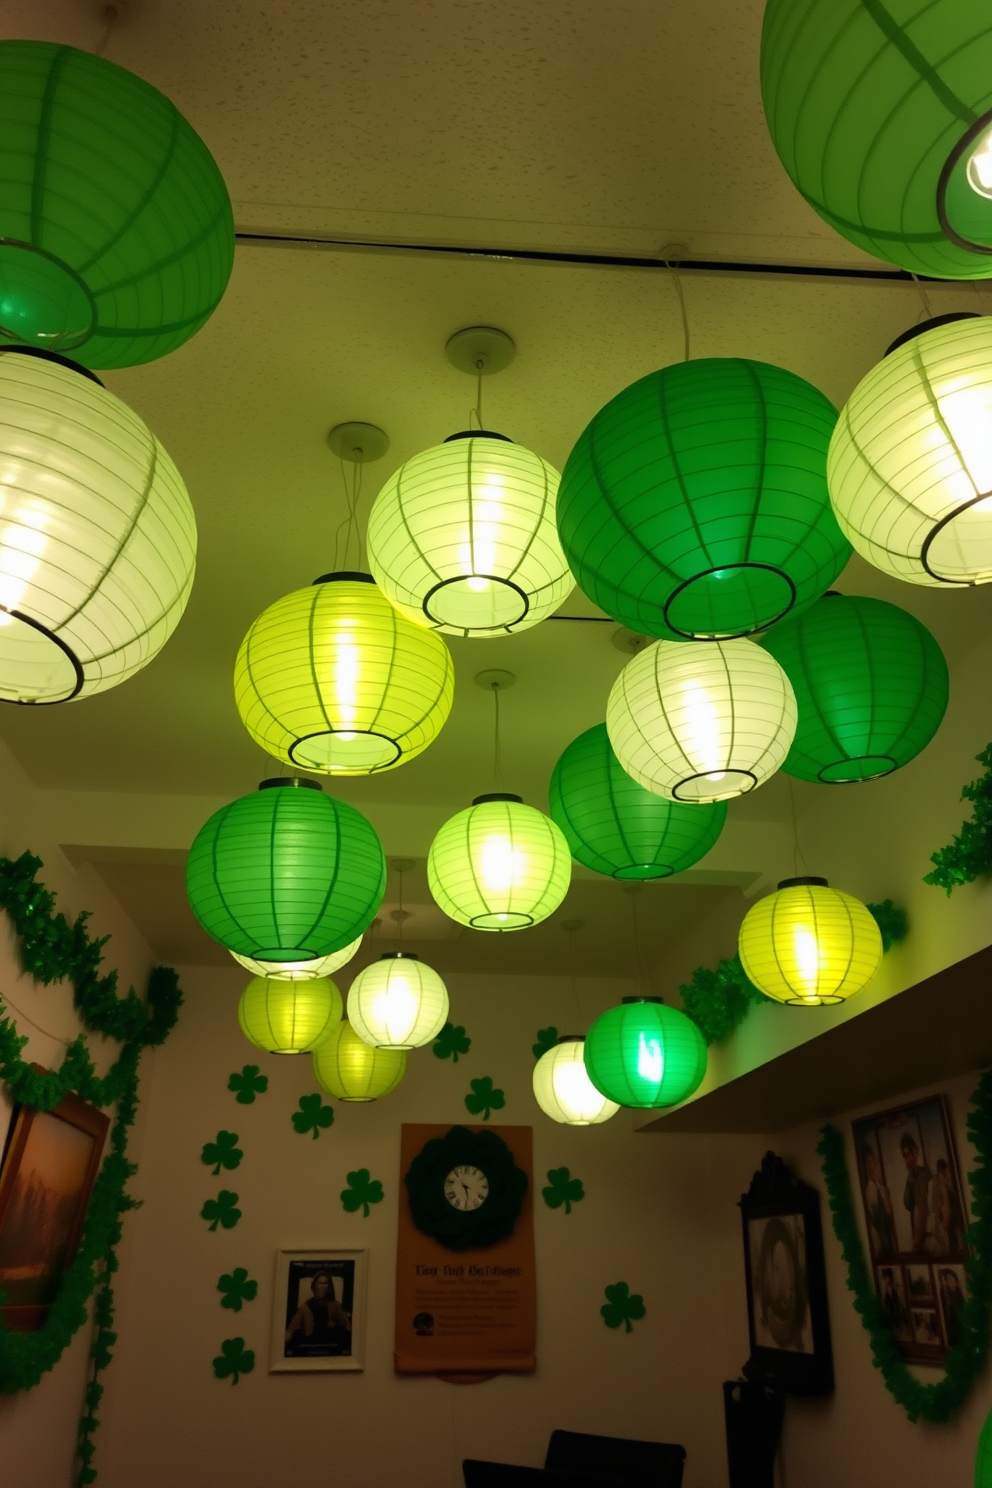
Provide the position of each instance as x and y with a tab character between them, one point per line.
466	1188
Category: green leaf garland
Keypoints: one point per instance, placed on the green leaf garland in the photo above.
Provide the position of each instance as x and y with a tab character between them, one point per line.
52	949
719	1001
892	922
939	1401
970	853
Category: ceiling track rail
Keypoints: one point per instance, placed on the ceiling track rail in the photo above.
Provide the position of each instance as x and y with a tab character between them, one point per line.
595	260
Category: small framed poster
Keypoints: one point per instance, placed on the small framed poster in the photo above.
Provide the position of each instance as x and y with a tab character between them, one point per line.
318	1311
786	1283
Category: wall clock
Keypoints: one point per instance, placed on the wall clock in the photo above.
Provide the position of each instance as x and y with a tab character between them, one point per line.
465	1189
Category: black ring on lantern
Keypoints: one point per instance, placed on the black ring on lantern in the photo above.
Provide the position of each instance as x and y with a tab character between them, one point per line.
938	528
980	125
51	636
707	775
730	635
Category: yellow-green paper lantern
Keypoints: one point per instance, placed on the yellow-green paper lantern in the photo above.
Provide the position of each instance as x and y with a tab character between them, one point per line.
352	1070
645	1055
285	1017
334	679
398	1002
499	865
809	945
300	971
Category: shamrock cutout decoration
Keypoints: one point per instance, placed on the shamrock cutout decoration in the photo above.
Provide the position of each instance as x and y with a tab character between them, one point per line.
360	1192
562	1189
248	1084
450	1042
484	1098
621	1306
222	1153
546	1039
313	1116
222	1210
236	1289
234	1360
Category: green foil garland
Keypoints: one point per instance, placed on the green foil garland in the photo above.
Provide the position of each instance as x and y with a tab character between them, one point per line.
53	949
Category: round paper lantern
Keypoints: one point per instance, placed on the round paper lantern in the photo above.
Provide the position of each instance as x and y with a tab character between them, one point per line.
870	684
352	1070
286	873
300	971
463	538
809	945
644	1054
499	865
289	1017
983	1454
702	722
563	1089
334	679
97	534
910	464
882	116
615	826
398	1002
695	504
116	233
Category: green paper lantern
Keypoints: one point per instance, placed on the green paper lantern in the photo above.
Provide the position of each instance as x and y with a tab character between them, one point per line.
870	684
615	826
695	505
645	1055
285	1017
286	873
116	233
352	1070
499	865
882	115
983	1455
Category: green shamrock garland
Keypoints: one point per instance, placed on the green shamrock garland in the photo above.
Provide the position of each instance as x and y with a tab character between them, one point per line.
485	1097
221	1210
622	1306
362	1191
223	1152
234	1360
54	950
939	1401
562	1189
236	1288
450	1042
313	1116
970	853
248	1084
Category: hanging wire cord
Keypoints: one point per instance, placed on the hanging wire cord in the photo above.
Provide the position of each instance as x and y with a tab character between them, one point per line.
797	852
497	747
352	496
672	264
634	890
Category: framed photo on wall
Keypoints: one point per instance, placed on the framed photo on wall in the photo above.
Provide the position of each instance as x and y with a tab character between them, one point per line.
49	1164
915	1216
786	1282
318	1311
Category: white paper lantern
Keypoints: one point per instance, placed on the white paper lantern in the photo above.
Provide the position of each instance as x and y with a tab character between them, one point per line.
701	720
463	538
398	1002
299	971
910	462
563	1089
97	534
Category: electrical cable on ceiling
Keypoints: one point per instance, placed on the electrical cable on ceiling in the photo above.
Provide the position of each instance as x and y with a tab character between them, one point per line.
797	851
497	751
673	267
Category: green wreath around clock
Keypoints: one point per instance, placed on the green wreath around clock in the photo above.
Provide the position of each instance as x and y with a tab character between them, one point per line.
465	1189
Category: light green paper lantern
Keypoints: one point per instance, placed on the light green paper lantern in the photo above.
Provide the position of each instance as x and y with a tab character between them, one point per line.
352	1070
286	873
615	826
462	537
116	232
645	1055
695	504
563	1089
398	1002
286	1017
881	112
300	971
870	683
499	865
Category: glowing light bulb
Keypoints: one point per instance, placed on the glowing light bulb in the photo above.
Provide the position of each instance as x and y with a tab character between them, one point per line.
980	166
497	864
346	676
807	954
650	1060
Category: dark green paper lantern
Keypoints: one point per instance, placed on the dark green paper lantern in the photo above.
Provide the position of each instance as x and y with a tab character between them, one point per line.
615	826
695	504
286	873
870	683
983	1455
881	112
116	233
645	1055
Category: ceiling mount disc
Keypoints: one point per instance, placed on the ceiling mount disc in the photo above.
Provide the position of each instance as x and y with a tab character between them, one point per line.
358	442
480	350
495	680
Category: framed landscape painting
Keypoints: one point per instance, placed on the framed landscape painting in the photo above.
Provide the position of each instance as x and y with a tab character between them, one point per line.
916	1218
49	1164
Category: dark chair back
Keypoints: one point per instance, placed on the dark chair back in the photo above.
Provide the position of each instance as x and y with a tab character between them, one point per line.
646	1464
479	1474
